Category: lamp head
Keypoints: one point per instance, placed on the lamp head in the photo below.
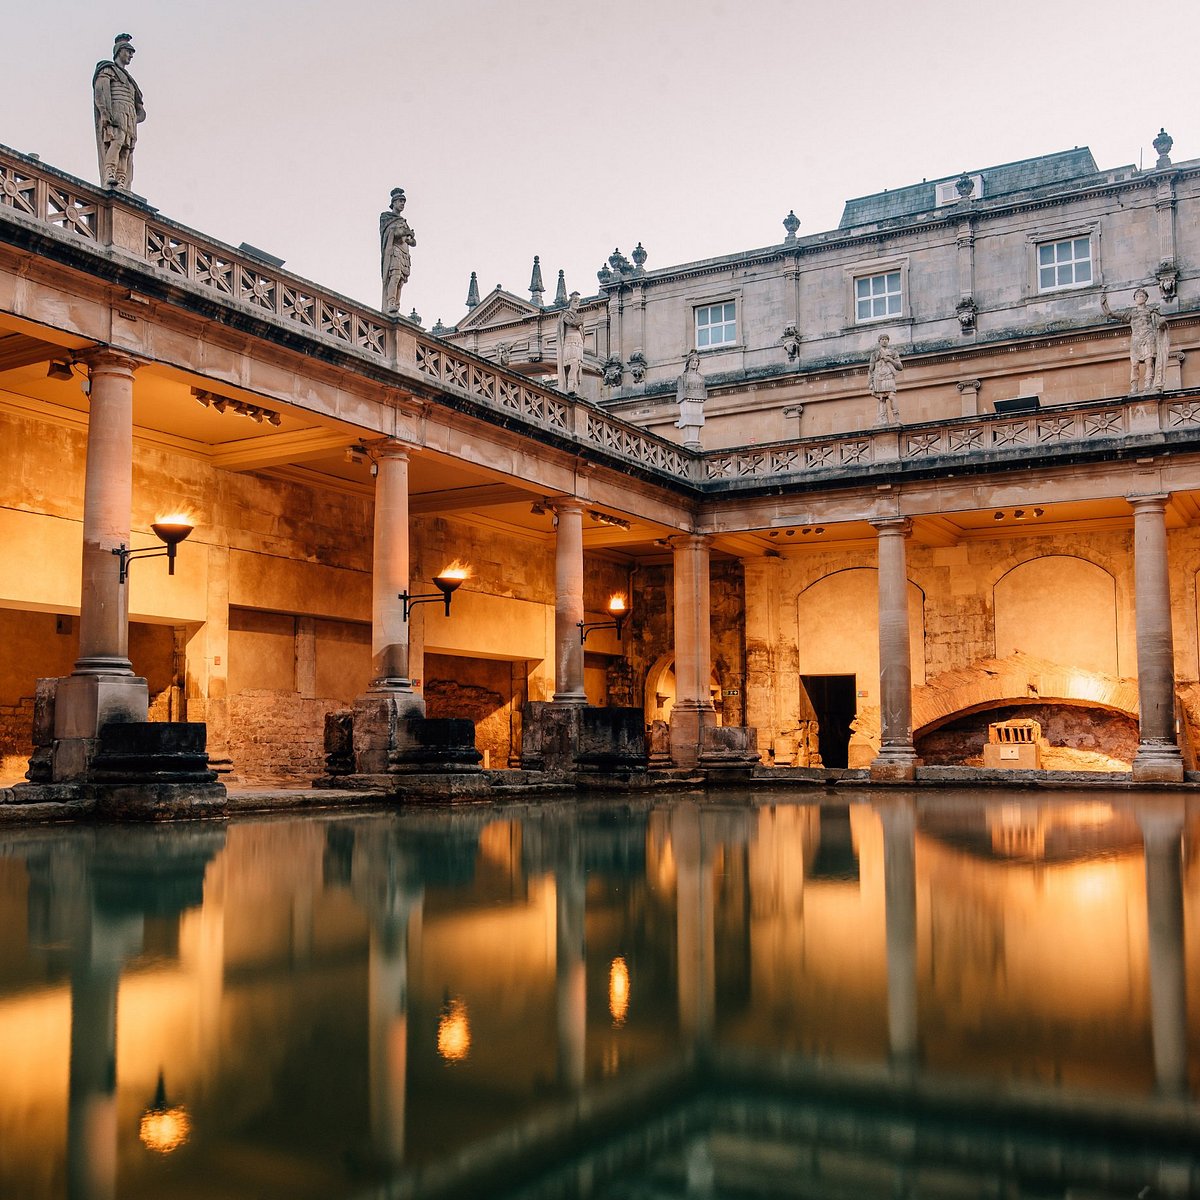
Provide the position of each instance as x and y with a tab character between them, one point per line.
172	530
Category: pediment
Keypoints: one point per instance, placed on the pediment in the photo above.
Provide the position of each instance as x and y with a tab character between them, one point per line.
497	308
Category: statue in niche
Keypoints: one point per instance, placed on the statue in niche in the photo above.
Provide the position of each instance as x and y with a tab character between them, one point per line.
570	347
881	379
117	101
1149	340
691	392
395	239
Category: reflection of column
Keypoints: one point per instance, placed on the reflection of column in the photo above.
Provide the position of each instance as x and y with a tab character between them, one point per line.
388	1034
1162	838
571	975
1158	758
695	932
693	710
103	687
898	818
568	602
92	1096
389	629
897	757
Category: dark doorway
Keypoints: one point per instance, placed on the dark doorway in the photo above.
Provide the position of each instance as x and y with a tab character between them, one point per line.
833	700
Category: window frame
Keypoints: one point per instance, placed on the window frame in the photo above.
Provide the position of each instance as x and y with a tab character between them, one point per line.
1036	238
871	270
708	304
1055	242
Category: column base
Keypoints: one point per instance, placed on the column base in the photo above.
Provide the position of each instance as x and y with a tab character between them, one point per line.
569	698
1158	762
895	764
390	734
688	722
83	705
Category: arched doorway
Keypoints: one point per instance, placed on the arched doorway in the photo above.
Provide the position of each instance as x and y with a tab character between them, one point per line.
660	691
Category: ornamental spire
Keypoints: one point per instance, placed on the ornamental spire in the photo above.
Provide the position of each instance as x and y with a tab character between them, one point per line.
536	288
473	291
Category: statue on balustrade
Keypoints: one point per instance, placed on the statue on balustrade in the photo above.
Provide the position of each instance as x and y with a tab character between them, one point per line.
881	379
117	101
1149	340
570	347
395	238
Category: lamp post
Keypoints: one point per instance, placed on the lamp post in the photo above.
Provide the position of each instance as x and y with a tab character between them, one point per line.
618	610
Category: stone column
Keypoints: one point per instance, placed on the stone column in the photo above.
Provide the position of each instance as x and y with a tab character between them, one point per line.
102	687
389	629
568	603
693	710
898	818
1162	841
897	757
1158	758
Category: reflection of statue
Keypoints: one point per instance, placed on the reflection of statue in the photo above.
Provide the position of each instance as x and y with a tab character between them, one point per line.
881	379
1149	340
117	101
691	392
395	238
570	347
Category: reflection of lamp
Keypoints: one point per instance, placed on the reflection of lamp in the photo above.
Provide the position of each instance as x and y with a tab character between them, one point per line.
164	1126
171	531
454	1030
618	991
618	610
447	583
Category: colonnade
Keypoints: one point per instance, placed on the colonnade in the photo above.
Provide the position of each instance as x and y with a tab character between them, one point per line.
103	687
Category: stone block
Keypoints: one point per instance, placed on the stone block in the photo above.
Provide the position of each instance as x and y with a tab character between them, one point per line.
389	735
728	747
612	739
1012	756
551	736
339	742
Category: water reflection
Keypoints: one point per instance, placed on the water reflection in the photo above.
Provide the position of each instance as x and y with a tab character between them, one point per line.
668	999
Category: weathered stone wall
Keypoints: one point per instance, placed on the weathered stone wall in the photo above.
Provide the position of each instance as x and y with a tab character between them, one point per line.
278	735
479	690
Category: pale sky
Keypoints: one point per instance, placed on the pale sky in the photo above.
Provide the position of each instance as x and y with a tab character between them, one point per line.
522	127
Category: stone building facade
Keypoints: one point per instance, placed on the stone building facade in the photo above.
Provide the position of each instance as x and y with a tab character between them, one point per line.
1026	536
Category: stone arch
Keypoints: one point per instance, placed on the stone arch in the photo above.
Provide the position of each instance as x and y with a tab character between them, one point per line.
1059	607
660	689
843	608
1017	679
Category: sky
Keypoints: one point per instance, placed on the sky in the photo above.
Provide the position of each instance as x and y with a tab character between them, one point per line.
568	129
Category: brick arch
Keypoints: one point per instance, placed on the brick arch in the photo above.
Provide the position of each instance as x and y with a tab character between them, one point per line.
1017	679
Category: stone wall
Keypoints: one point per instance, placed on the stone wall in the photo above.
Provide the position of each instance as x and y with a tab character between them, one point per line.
277	735
478	689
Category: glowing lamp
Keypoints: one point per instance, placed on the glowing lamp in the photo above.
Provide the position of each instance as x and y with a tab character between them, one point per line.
618	610
170	531
447	582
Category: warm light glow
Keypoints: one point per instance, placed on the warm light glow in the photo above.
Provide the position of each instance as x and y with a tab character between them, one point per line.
456	570
454	1030
618	990
176	518
617	606
165	1129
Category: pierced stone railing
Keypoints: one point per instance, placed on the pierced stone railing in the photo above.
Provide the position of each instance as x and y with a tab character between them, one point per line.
1001	435
49	197
446	365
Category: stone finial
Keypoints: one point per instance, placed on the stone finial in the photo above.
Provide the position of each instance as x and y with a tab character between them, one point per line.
791	223
1162	147
639	257
536	288
604	274
415	318
473	291
560	293
438	328
965	186
118	109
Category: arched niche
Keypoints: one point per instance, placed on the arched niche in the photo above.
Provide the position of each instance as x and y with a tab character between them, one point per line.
1060	608
660	690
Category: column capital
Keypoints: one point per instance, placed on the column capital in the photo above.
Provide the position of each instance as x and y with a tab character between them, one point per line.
564	504
389	447
689	541
893	526
109	359
1152	502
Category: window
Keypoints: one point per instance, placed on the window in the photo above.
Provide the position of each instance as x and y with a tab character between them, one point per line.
716	325
877	297
1064	264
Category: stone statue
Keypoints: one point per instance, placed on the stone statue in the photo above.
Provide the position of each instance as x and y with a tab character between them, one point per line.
1149	340
691	392
881	379
395	238
117	101
570	347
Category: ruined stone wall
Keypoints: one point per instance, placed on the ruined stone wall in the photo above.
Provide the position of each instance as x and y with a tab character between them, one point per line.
480	690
